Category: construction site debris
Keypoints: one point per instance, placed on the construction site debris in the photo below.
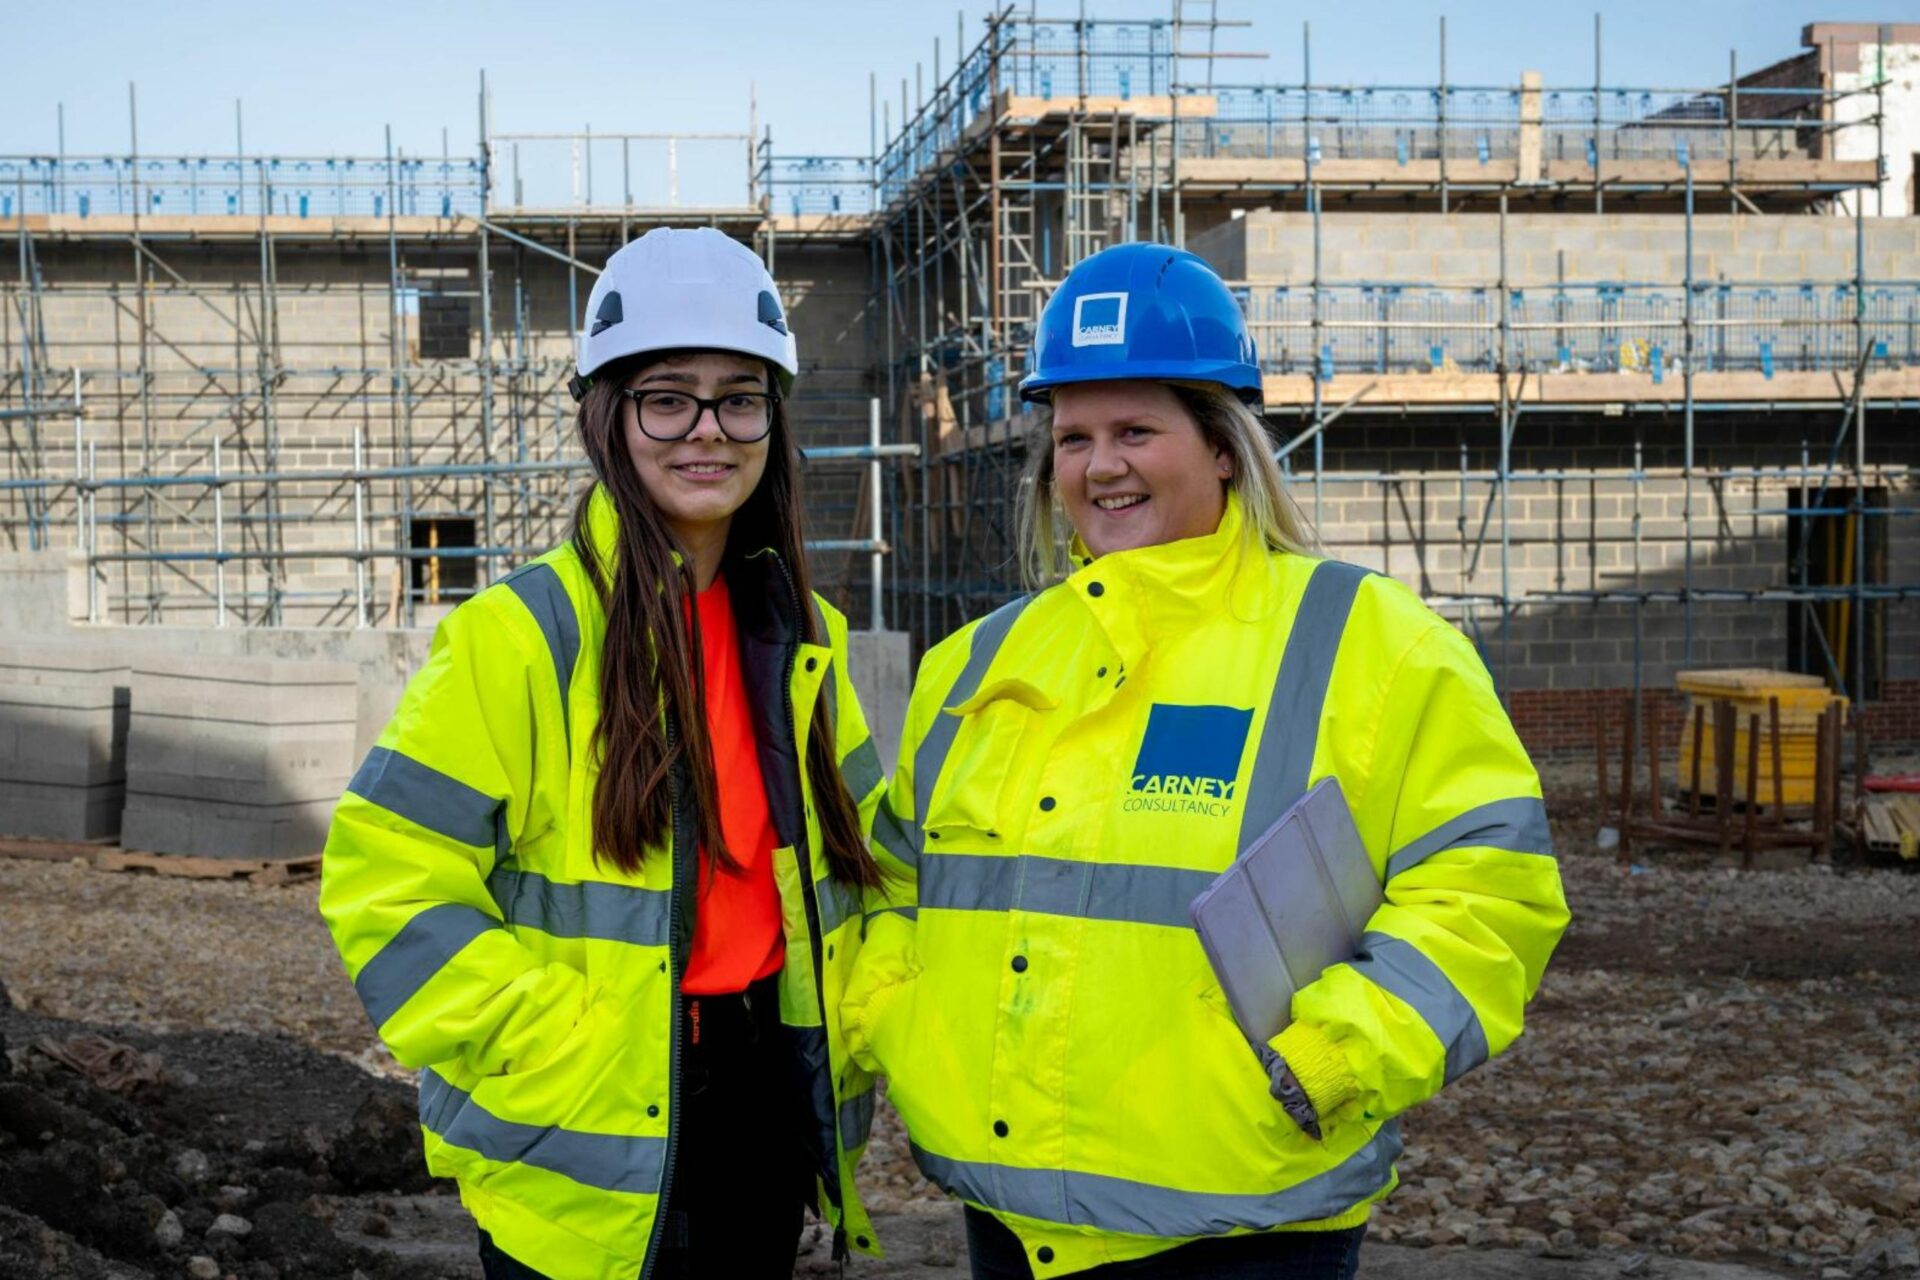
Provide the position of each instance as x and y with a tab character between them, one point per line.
1890	823
1718	1070
153	1154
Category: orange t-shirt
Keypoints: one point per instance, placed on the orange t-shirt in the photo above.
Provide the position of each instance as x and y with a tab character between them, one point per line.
737	937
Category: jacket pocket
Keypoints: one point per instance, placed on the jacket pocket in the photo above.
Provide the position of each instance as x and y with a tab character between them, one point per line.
1241	1085
970	791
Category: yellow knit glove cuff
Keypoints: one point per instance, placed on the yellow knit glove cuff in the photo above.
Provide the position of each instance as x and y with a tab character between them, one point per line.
1319	1066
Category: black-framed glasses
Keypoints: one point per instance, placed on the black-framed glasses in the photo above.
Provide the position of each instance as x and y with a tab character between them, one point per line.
667	415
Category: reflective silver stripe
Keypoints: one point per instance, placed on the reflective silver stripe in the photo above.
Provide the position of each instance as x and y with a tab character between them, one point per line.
893	833
931	757
839	903
1517	825
610	1161
1074	1198
866	921
1061	887
426	797
856	1119
861	769
590	909
1396	965
1293	716
412	956
538	586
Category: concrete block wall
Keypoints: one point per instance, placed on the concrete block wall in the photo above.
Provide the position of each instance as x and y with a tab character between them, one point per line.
1543	248
380	662
333	318
826	291
1422	525
245	760
63	741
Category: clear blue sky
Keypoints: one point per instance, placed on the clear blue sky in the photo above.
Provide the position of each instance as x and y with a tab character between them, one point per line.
321	79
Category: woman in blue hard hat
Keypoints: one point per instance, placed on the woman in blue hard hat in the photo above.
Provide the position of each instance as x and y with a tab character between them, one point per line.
601	878
1080	764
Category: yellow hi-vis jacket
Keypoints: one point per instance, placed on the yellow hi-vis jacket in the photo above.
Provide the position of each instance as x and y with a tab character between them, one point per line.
538	989
1078	766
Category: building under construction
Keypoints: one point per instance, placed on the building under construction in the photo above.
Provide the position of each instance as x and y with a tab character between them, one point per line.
1622	379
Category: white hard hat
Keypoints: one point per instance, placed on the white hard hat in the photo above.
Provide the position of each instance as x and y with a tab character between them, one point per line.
677	289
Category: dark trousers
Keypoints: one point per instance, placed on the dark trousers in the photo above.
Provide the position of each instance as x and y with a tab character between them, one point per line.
740	1178
1282	1255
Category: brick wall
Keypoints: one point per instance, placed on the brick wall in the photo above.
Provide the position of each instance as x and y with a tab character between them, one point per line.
1559	723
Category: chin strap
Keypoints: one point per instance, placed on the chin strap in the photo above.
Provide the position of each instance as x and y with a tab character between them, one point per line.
577	386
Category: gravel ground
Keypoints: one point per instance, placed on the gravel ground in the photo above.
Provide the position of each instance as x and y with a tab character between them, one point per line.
1721	1066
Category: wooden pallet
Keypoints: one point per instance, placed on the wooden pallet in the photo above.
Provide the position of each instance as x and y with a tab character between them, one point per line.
267	871
48	850
107	857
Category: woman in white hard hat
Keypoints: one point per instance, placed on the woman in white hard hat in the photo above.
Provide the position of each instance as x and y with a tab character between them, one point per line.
604	871
1080	765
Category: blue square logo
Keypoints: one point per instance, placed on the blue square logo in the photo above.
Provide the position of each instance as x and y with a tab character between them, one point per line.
1100	319
1191	751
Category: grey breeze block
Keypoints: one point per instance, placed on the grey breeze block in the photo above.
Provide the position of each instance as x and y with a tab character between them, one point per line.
237	757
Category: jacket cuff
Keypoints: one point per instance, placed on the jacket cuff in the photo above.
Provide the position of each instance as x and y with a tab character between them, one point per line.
1319	1066
857	1019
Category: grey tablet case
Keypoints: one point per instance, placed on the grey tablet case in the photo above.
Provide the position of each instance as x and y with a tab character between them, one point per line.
1294	902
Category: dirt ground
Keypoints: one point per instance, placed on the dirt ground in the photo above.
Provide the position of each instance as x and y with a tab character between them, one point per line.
1719	1080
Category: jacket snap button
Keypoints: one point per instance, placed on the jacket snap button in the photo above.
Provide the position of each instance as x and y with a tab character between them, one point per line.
1044	1253
829	951
1096	589
999	1128
1101	673
812	663
653	1111
1046	803
1019	964
861	1241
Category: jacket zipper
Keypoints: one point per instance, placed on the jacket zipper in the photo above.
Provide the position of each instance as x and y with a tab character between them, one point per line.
675	961
804	856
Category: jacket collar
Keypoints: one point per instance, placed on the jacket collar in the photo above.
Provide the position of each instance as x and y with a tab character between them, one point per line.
1150	593
1137	600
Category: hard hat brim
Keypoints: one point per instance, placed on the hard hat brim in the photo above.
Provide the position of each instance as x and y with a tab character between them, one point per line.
1241	379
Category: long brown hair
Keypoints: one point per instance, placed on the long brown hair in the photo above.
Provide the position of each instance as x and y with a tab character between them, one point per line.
652	687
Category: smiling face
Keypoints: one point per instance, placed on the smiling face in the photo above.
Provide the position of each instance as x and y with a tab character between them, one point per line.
1132	468
697	482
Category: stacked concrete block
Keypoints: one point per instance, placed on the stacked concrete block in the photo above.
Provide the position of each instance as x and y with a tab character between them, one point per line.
63	741
1463	249
237	758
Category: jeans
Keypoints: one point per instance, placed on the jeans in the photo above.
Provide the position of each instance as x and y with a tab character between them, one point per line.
740	1177
1281	1255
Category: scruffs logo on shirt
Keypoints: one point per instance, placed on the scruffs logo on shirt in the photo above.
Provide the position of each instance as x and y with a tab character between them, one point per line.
1099	319
1188	760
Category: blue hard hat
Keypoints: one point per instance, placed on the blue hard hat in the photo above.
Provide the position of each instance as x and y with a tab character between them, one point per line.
1142	311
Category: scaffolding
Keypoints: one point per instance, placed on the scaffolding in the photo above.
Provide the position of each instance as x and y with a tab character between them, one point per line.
1050	140
229	461
1047	140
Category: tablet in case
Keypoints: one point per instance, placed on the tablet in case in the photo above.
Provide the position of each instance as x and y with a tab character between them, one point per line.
1294	902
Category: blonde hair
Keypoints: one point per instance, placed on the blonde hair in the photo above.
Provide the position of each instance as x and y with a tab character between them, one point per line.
1272	520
